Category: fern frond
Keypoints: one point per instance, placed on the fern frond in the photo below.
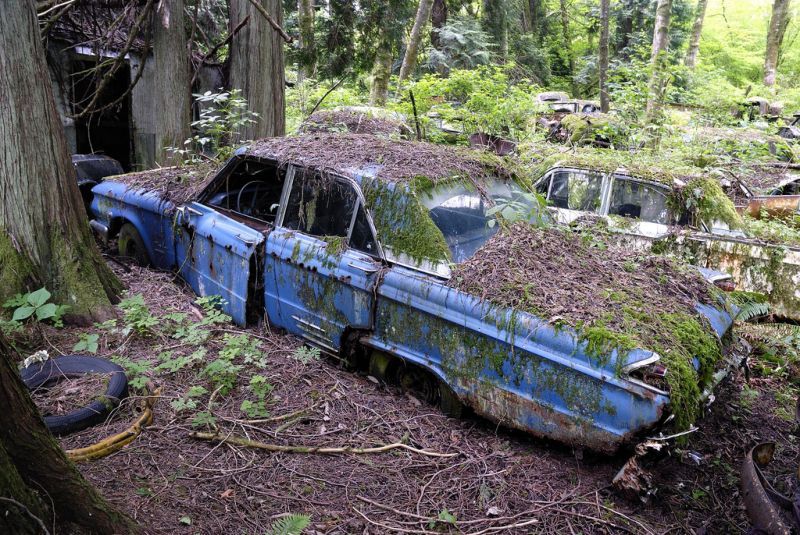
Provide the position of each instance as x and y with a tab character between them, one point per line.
752	310
290	525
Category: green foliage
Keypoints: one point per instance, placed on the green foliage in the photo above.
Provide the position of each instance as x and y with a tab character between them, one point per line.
34	305
479	100
137	317
88	343
138	371
292	524
704	198
306	354
462	45
529	207
223	116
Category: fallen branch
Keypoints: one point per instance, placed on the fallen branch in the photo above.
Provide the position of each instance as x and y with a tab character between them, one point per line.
241	441
275	25
114	443
219	45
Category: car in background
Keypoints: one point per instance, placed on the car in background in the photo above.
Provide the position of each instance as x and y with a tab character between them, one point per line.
641	209
792	130
91	169
347	242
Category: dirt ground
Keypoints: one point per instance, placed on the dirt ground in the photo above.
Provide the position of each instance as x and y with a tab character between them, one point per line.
497	481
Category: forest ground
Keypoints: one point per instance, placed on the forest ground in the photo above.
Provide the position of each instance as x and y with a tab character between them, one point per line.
498	481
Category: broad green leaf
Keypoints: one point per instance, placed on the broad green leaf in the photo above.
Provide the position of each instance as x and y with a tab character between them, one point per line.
46	311
23	313
39	297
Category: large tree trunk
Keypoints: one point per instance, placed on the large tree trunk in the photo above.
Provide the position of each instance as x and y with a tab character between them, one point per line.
32	461
603	53
256	56
658	59
44	236
567	44
172	80
381	72
697	31
438	20
495	23
308	50
412	48
777	28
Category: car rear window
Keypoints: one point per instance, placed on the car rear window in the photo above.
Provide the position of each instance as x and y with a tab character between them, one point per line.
638	200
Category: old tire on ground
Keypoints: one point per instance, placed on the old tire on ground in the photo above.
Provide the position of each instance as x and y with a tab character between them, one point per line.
130	244
49	372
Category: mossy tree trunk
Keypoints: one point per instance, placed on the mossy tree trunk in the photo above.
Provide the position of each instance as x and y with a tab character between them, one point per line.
603	54
381	73
412	47
566	36
495	23
256	67
438	20
44	235
308	50
172	80
697	31
658	60
778	22
31	462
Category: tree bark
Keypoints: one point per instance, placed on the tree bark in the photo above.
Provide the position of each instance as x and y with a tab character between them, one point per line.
438	20
495	23
412	48
658	58
256	67
308	51
697	30
44	236
381	72
603	53
567	44
777	28
173	103
31	459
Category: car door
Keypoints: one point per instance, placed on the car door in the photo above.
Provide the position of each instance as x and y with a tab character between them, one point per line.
322	261
216	256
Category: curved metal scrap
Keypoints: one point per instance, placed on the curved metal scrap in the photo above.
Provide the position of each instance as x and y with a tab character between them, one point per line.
763	503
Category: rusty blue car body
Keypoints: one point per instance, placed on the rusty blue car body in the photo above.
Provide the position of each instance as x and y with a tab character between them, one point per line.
246	241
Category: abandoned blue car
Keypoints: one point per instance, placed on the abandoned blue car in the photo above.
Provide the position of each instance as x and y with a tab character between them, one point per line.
412	259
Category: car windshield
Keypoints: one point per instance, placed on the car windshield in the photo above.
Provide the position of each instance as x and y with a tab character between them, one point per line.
466	218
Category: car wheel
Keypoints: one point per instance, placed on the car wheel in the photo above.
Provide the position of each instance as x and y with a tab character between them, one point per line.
449	402
416	381
50	372
131	245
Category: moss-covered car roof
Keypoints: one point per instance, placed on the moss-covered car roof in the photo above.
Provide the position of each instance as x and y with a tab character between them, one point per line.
386	159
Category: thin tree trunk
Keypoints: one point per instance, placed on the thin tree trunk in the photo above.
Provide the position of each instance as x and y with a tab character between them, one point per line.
172	80
697	31
256	67
44	235
658	58
381	72
412	48
603	51
495	23
308	51
40	462
438	20
777	28
567	43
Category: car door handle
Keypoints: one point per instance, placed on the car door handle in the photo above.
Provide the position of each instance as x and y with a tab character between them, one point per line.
193	211
368	270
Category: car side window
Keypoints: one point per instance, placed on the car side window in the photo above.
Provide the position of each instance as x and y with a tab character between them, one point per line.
324	206
637	200
576	190
320	205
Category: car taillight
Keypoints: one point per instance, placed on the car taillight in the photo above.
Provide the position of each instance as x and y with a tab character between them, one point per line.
726	285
